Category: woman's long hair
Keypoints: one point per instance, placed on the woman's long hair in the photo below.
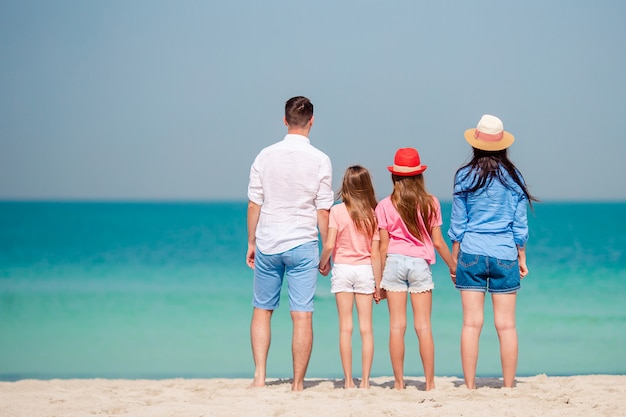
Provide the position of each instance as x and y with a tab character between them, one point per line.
414	204
357	192
485	167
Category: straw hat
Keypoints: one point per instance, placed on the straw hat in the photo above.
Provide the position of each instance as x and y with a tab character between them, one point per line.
407	163
489	134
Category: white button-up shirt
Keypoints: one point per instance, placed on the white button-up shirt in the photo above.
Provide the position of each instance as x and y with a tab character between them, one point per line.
290	180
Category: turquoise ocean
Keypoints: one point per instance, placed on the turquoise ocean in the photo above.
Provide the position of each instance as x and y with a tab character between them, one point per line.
161	290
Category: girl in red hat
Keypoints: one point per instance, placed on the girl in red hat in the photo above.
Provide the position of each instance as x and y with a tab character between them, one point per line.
409	222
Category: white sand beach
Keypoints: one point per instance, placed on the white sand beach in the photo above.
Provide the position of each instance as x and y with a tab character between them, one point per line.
541	395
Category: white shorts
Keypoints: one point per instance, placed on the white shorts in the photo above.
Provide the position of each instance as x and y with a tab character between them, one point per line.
352	278
406	273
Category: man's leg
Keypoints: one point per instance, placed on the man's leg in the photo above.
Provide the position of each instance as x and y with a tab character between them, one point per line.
302	344
268	278
260	336
301	269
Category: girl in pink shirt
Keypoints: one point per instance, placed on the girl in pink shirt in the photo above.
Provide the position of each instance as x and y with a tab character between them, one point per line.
353	242
410	230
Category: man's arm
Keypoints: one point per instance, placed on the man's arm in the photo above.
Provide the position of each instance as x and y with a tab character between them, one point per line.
322	225
327	249
254	212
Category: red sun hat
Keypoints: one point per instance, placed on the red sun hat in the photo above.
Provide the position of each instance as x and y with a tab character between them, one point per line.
407	163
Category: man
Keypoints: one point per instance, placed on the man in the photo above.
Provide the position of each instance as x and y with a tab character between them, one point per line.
290	193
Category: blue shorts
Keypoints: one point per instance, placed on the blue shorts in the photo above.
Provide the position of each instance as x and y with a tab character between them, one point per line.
299	265
407	273
484	273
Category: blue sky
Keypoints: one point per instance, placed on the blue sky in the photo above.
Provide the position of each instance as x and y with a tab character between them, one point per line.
171	100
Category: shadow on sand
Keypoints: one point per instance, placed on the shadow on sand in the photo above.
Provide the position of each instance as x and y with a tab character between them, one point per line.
495	383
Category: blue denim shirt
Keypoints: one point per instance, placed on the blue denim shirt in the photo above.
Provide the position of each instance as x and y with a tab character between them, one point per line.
490	222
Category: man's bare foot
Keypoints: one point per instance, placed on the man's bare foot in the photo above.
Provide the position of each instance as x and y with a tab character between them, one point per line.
297	386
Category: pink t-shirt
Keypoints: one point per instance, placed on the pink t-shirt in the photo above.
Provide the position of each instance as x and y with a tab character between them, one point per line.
351	247
401	241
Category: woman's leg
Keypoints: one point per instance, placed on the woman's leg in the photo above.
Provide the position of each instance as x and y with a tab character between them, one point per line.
473	317
397	328
345	302
422	306
504	319
364	310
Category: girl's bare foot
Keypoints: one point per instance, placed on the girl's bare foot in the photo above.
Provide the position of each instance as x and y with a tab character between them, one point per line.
399	385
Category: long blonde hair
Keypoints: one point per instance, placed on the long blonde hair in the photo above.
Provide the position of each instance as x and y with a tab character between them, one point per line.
414	204
357	192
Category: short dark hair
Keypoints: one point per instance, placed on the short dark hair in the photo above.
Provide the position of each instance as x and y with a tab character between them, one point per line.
298	111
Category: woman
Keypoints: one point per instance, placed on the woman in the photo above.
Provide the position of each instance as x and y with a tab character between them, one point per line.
489	230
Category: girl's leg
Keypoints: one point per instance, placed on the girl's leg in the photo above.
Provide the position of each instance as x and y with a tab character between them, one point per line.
364	310
397	328
422	306
473	316
345	302
504	318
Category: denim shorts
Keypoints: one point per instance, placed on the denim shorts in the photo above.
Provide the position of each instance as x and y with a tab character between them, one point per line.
407	273
484	273
352	278
299	265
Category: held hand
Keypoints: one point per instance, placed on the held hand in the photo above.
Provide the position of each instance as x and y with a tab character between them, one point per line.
325	269
379	295
453	267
